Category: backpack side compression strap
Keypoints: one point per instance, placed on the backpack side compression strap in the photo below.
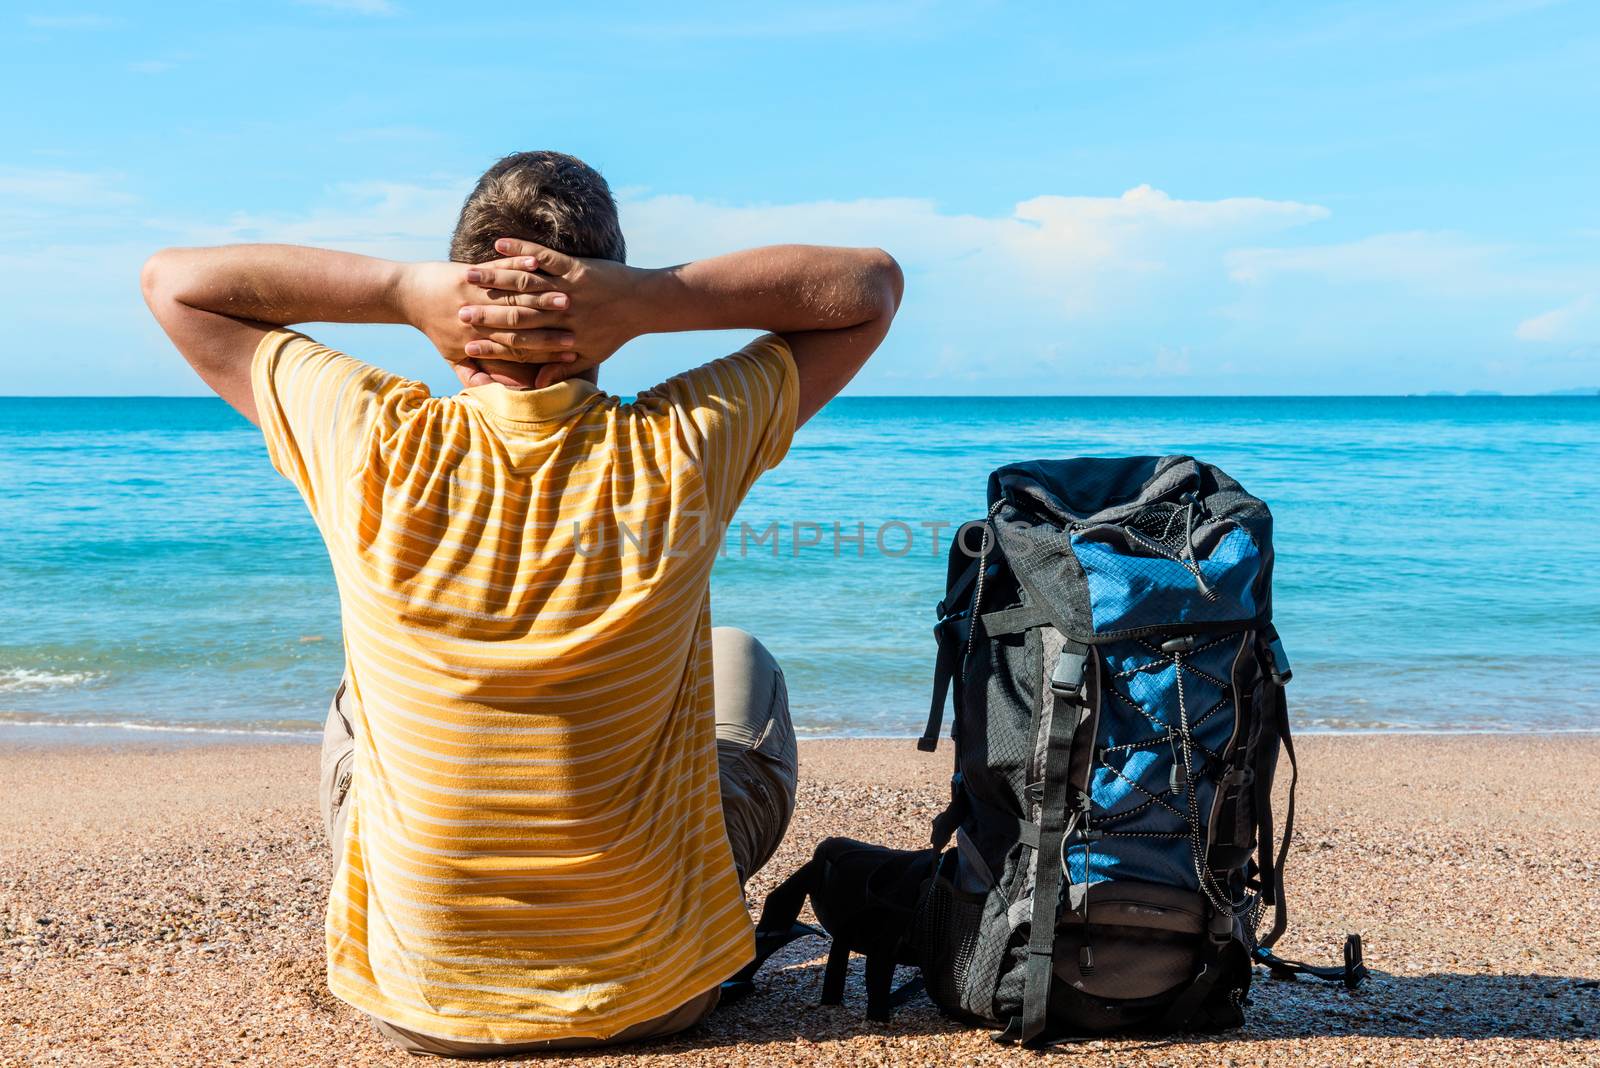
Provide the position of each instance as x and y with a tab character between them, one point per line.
944	669
947	658
1067	711
1280	912
1354	970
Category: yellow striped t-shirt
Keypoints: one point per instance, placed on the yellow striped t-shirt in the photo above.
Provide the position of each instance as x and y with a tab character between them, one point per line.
535	846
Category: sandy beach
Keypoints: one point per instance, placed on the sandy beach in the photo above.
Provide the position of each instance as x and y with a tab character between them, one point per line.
163	905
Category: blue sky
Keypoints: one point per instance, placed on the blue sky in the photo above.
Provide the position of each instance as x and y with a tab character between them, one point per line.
1183	198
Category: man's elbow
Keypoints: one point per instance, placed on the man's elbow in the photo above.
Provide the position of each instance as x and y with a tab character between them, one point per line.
163	280
888	282
158	279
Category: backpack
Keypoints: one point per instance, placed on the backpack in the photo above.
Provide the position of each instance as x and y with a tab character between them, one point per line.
1108	852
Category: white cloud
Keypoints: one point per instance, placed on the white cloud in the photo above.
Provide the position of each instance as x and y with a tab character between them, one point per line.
1434	261
1135	292
1090	292
392	219
1431	299
44	204
72	22
1578	321
1049	288
401	134
355	7
60	188
1077	256
1081	255
797	20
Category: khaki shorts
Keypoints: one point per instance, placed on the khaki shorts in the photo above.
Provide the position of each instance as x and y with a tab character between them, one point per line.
758	762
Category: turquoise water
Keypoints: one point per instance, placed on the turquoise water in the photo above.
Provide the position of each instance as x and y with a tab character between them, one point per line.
1437	557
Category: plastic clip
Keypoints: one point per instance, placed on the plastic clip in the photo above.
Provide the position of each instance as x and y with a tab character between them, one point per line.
1067	679
1188	643
1279	667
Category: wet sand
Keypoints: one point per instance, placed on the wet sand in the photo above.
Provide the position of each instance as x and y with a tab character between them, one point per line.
163	905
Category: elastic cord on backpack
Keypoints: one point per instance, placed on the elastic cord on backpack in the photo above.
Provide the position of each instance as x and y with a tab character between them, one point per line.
977	590
1183	554
1216	894
1188	545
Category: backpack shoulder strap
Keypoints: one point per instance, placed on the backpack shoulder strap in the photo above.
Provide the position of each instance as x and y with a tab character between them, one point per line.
1068	709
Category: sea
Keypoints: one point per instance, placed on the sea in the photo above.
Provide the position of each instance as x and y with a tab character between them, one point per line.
1438	558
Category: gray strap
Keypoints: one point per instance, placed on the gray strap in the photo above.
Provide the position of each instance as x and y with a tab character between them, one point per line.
974	859
1061	720
1280	912
944	668
1013	620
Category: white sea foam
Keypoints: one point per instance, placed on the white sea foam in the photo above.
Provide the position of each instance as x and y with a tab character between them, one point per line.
16	720
28	680
289	729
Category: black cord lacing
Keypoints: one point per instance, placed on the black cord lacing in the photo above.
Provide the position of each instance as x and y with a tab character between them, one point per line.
1215	892
1163	542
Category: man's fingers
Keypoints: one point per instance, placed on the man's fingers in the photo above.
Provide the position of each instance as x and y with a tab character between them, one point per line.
551	373
527	300
543	310
533	341
550	261
516	246
470	373
516	280
526	346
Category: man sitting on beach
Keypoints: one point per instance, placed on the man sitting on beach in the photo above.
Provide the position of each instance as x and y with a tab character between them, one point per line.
545	777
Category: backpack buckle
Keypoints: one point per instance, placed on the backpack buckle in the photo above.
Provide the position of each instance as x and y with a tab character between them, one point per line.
1066	681
1188	643
1244	775
1278	661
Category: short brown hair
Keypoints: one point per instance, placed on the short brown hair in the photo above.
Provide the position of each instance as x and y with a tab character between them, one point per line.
554	199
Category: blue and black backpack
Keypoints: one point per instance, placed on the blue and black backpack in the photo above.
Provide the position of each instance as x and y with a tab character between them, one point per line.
1108	856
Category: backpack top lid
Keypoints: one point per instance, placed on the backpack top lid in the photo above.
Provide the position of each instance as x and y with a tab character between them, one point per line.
1115	547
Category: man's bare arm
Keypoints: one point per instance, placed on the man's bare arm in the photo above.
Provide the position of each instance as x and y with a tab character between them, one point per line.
833	305
217	303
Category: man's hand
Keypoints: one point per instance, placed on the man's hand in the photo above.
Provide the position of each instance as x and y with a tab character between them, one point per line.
466	317
604	308
831	305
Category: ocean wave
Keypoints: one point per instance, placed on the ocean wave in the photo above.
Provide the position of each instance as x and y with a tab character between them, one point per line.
28	680
848	733
274	729
306	730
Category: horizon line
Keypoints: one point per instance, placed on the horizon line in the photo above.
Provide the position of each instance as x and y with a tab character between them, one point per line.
1574	392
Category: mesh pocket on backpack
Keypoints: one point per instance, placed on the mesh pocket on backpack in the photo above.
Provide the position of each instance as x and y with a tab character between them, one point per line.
945	934
1132	586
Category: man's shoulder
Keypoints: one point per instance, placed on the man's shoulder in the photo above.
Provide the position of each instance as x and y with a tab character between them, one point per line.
291	356
306	391
764	364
